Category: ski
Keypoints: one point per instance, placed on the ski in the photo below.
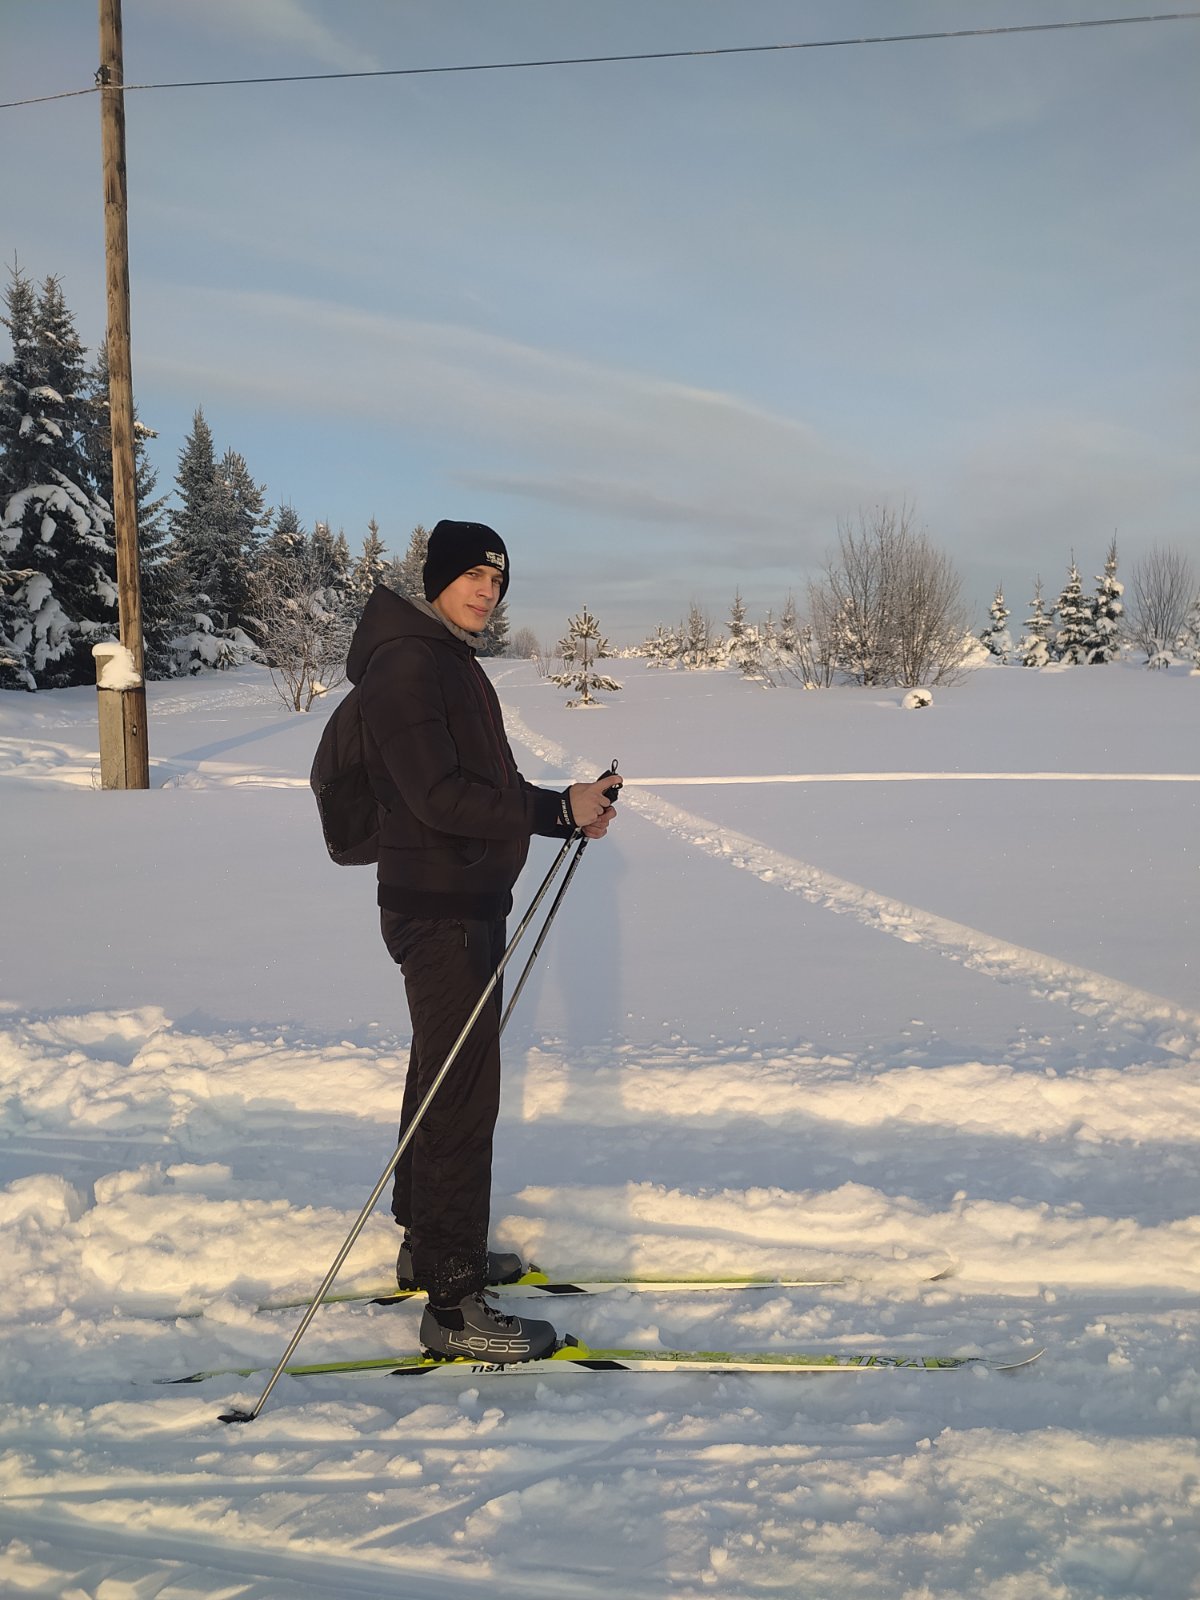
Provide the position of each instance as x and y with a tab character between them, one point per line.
572	1356
535	1284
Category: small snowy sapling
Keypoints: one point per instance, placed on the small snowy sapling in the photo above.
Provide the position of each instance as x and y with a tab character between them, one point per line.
1034	648
996	635
1108	611
1074	640
580	649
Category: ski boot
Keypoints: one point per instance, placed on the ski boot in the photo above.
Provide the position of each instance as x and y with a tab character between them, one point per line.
502	1267
476	1330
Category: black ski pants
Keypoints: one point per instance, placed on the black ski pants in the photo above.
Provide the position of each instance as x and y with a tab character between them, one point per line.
443	1186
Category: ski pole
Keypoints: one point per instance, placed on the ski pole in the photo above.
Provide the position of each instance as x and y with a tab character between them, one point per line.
360	1223
610	795
541	938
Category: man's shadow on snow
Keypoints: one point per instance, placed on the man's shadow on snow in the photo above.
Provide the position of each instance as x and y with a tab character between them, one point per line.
570	1004
573	991
219	747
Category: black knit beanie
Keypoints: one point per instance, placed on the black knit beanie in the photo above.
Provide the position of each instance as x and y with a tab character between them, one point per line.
456	547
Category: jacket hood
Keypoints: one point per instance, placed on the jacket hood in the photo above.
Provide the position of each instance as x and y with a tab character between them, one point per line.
388	616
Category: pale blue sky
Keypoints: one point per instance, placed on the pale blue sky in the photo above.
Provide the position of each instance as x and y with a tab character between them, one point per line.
660	323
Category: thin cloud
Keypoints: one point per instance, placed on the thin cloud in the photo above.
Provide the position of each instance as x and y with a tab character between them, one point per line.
524	420
612	495
276	22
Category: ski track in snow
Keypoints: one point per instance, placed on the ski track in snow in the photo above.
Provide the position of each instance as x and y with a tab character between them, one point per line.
74	768
44	758
1161	1022
911	777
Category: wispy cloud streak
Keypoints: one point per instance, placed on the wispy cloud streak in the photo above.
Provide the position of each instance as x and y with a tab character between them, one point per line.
278	23
540	424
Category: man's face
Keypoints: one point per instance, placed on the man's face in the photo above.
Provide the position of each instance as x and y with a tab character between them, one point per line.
469	601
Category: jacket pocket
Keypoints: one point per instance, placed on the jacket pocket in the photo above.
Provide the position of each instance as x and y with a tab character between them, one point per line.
471	852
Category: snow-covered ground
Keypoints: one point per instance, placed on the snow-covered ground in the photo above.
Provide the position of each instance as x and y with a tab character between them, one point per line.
898	1023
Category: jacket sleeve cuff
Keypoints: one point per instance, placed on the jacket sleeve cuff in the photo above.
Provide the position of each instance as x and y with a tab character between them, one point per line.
552	814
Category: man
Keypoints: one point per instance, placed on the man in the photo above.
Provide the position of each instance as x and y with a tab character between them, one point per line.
454	839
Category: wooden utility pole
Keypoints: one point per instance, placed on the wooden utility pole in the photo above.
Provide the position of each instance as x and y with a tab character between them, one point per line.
132	769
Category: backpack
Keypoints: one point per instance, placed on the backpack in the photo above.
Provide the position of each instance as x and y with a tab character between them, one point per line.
350	811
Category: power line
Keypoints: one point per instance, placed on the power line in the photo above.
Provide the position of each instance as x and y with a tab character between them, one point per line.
41	99
648	55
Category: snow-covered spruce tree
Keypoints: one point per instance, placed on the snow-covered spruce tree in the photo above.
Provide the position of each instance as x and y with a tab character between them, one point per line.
750	660
493	641
158	575
743	645
17	461
1033	646
787	634
56	542
737	627
663	647
1074	639
769	651
287	538
580	648
996	637
216	531
191	521
194	534
1108	610
404	573
242	518
368	569
332	553
700	644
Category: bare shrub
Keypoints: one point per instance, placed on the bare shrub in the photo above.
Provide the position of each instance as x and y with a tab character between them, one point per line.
524	645
1162	590
302	627
791	651
889	608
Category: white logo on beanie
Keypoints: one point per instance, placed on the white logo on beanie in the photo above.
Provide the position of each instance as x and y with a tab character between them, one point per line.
495	558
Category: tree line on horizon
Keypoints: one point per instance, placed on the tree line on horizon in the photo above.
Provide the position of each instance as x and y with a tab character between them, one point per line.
887	610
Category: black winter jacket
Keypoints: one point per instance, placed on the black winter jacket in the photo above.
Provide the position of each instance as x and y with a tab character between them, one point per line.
459	814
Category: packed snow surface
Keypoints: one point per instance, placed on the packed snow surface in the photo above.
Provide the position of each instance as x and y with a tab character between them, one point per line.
909	1002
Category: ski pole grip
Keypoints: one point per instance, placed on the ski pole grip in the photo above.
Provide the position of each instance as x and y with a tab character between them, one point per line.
612	793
